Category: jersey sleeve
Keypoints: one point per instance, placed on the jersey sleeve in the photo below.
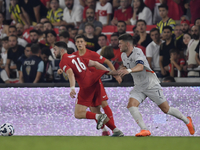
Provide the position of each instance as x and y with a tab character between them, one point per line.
109	9
139	58
64	65
96	57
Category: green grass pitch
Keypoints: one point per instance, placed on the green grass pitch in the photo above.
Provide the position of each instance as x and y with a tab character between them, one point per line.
98	143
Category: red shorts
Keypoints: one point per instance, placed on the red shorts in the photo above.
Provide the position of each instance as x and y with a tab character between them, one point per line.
102	96
92	96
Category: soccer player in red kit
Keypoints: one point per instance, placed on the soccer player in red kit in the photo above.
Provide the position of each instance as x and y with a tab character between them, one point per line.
102	100
77	68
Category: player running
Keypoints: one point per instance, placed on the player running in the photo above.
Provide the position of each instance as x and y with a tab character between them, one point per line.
146	85
77	68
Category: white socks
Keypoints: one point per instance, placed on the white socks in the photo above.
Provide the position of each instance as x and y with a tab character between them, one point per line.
176	113
138	117
97	116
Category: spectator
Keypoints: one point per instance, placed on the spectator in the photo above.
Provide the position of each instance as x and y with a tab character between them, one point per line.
64	36
103	12
197	22
33	10
23	57
16	13
168	79
92	43
140	11
114	42
185	26
14	52
46	3
123	14
43	20
48	74
178	39
40	28
152	50
165	47
62	28
102	41
166	21
72	14
76	2
20	30
51	39
135	32
186	39
3	27
4	51
194	9
12	30
74	33
90	16
193	44
89	4
175	62
33	67
70	29
3	76
121	27
144	38
107	52
48	26
55	14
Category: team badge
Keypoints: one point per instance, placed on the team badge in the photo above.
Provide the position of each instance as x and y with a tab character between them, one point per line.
28	70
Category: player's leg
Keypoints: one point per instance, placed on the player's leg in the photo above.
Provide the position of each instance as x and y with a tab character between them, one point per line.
133	109
97	110
156	95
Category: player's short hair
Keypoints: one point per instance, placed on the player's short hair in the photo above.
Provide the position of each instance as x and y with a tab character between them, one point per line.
167	27
12	26
174	51
5	38
128	38
34	31
35	48
80	36
61	44
154	29
29	45
89	24
103	36
163	6
107	52
140	20
121	21
64	34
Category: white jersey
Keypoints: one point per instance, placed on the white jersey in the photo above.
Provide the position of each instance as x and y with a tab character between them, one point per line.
144	79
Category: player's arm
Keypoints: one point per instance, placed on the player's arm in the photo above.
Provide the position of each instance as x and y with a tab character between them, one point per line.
72	82
7	67
109	64
97	65
163	72
40	70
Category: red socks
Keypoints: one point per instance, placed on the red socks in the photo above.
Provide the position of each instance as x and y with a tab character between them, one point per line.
110	123
90	115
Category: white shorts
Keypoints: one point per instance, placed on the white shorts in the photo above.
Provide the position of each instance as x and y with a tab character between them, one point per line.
155	94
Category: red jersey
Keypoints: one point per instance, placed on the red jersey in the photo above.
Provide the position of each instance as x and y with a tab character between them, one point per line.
181	61
92	56
83	75
117	57
26	34
124	16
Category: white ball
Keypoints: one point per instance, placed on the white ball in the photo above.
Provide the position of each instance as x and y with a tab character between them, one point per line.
7	129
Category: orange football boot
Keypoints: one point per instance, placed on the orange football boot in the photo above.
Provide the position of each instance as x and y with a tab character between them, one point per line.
190	126
143	133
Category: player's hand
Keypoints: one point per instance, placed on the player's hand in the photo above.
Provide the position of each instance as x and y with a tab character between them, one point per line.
59	71
118	78
113	72
123	72
72	93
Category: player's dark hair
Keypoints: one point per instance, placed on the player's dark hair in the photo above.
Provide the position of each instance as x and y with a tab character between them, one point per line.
121	21
12	26
29	45
103	36
34	31
163	6
174	51
35	48
154	29
64	34
61	44
128	38
80	36
167	27
140	20
5	38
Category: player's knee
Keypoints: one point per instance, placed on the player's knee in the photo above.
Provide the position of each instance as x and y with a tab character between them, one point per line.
77	115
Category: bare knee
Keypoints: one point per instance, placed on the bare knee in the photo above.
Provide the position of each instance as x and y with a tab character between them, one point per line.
164	107
104	104
133	103
78	115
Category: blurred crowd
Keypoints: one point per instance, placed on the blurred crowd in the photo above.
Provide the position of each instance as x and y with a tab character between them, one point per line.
29	29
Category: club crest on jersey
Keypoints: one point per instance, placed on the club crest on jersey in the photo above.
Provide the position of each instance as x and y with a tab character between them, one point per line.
28	70
71	56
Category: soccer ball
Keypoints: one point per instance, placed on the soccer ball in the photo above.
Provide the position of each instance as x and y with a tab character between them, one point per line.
7	129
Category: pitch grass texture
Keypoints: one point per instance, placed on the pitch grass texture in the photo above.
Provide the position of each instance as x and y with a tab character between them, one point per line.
98	143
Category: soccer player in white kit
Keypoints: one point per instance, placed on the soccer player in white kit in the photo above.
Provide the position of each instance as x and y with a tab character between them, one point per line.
146	85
